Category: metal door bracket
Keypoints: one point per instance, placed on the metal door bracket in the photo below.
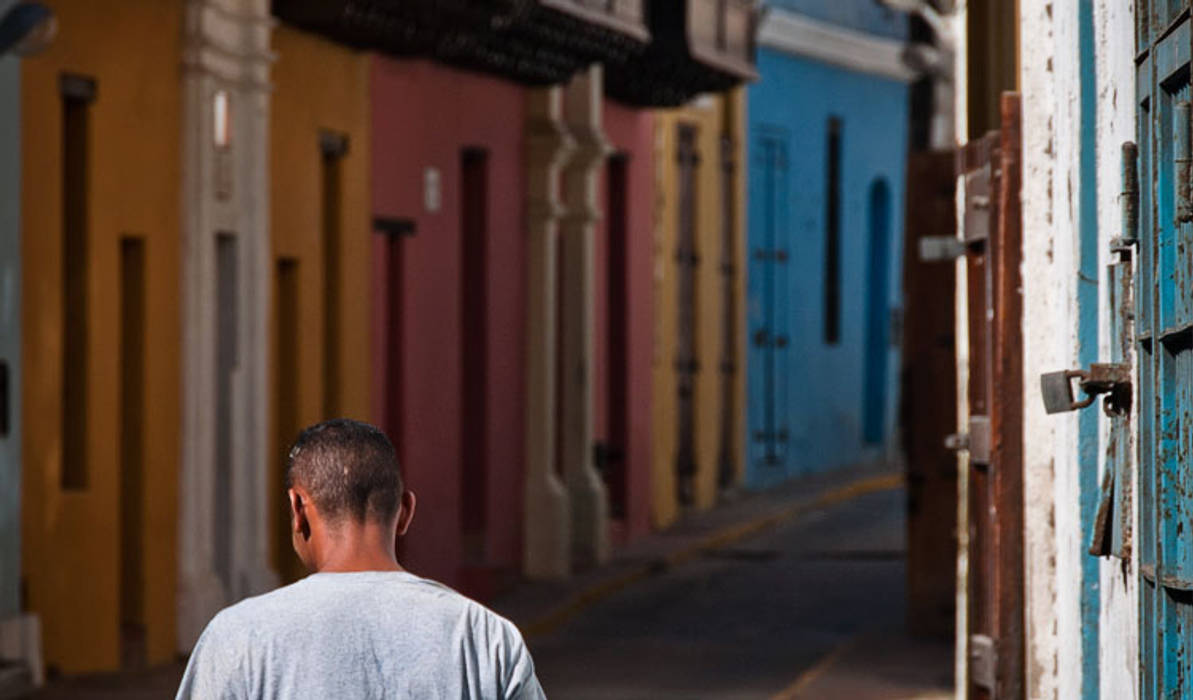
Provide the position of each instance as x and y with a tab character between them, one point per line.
983	661
1113	379
941	248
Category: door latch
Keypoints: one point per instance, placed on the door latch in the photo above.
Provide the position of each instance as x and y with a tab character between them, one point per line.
1112	379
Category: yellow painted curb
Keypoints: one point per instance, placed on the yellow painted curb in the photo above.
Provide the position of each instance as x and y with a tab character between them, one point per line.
805	679
601	590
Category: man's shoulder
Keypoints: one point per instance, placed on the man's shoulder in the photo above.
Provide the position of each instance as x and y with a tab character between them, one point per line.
252	612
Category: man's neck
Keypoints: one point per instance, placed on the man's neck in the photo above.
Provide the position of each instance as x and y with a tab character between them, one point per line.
359	547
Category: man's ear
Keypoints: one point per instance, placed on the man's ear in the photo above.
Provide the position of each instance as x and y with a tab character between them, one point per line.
406	512
299	501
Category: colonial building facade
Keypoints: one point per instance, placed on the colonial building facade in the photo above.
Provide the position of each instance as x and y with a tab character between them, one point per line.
240	218
827	148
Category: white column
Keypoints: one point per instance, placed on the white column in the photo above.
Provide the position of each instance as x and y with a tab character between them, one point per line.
590	508
225	192
546	525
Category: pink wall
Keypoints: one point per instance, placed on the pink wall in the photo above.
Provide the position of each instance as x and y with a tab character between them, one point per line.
423	115
631	131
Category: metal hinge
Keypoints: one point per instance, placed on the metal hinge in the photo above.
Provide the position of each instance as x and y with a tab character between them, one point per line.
976	442
1130	201
983	661
941	248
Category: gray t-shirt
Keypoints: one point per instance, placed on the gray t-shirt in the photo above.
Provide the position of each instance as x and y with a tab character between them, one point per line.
369	634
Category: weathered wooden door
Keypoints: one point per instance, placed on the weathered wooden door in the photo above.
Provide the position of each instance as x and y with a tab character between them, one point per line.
928	385
687	365
993	238
1164	324
770	434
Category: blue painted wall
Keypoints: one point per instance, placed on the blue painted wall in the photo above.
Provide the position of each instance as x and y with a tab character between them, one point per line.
820	387
10	327
863	15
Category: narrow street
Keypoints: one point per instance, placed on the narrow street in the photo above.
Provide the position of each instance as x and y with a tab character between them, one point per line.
813	608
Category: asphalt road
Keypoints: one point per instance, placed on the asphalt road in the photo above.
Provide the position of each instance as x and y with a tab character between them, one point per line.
744	622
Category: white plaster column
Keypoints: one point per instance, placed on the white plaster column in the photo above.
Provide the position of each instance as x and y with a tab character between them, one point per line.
590	507
226	61
546	522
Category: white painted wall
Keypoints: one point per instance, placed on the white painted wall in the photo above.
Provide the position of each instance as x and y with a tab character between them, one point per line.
1114	40
1047	299
1056	544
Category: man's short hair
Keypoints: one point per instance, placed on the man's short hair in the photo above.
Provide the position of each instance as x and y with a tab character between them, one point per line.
349	468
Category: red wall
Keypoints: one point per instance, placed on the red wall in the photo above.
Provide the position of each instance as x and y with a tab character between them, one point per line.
631	131
423	115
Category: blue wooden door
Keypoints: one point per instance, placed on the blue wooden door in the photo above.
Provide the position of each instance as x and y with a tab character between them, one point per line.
769	310
1164	326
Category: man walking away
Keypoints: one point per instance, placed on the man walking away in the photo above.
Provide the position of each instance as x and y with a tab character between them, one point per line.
359	626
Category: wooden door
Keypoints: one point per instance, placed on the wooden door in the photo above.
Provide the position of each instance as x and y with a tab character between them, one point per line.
687	364
1164	324
993	237
769	345
928	387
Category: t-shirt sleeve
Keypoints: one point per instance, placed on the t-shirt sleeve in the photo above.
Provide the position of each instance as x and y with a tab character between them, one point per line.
214	669
521	682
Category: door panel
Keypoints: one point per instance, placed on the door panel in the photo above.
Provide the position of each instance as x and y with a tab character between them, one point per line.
769	338
1164	313
686	360
992	169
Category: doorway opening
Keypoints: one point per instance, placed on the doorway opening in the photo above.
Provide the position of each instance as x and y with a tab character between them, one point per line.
612	453
474	384
878	315
132	451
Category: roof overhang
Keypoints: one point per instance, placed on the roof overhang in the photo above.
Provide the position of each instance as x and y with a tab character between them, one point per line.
697	46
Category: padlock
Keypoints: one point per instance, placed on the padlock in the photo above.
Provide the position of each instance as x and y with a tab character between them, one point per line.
1057	389
1101	378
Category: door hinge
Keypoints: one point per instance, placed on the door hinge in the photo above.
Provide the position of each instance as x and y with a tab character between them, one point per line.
979	439
941	248
1130	200
983	661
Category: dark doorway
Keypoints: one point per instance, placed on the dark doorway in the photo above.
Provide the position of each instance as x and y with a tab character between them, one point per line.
474	230
287	347
333	148
226	351
132	451
878	316
611	455
686	359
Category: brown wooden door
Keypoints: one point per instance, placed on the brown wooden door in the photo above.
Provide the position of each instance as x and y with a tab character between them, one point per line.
929	384
993	236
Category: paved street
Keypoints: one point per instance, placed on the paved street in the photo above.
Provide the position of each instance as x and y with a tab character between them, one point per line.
813	608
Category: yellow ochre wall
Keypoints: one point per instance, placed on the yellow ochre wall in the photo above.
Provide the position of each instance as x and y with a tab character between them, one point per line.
319	85
71	539
713	116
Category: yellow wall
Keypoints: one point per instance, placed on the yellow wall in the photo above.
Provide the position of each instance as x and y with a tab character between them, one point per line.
319	85
71	539
712	116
